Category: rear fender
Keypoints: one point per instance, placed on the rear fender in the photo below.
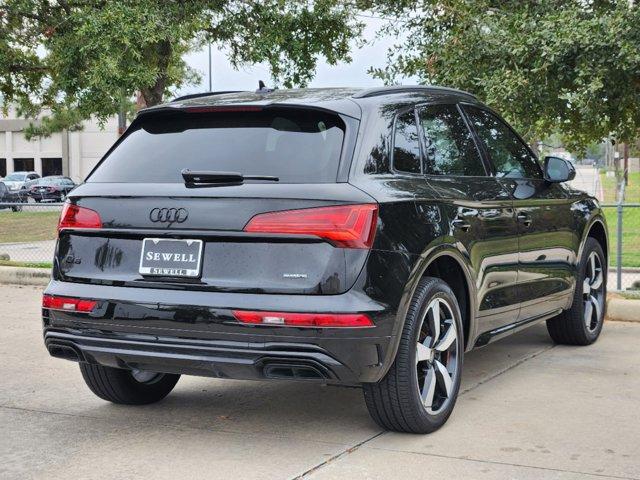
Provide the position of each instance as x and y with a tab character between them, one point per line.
436	250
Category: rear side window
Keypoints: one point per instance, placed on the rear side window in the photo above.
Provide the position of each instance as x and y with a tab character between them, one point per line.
298	146
509	155
449	145
406	145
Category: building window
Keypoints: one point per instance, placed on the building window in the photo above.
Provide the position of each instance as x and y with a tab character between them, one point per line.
3	167
51	166
23	165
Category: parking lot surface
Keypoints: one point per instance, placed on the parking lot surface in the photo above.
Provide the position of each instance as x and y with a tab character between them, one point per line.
528	410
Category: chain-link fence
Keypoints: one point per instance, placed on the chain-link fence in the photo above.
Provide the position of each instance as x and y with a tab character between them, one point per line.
28	232
624	245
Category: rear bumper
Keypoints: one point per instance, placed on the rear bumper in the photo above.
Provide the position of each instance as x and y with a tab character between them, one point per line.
346	363
173	332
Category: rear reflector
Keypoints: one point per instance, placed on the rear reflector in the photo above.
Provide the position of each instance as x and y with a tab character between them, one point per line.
348	226
70	304
74	216
303	319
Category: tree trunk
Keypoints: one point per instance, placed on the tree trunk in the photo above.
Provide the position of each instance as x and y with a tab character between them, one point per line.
152	94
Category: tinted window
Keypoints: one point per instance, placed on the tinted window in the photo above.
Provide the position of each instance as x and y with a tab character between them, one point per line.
296	146
449	146
406	145
510	157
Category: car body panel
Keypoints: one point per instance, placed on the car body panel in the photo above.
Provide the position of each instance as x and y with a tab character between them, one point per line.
514	275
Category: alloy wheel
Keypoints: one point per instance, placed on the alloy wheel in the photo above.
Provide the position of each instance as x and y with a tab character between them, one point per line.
593	292
437	356
145	376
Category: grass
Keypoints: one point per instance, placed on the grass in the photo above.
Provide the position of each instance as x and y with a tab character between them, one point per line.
632	191
10	263
27	226
630	235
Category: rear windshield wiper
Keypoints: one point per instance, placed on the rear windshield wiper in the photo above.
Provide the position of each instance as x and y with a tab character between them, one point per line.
205	178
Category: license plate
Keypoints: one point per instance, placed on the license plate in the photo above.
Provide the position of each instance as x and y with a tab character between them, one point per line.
170	257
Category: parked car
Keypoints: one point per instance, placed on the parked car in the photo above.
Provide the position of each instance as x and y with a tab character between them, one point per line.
352	237
16	181
51	189
10	197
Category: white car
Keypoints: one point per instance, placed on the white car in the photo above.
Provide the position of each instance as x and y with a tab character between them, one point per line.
17	180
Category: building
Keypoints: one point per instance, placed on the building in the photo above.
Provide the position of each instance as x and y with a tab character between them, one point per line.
73	154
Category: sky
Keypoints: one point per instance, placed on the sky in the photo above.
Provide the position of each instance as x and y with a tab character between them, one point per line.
352	74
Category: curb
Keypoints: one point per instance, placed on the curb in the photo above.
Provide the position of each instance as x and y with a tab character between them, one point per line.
25	276
623	310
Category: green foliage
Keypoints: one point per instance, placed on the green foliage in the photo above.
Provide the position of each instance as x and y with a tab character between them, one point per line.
569	66
80	58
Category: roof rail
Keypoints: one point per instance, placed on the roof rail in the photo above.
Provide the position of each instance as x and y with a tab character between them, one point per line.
203	94
377	91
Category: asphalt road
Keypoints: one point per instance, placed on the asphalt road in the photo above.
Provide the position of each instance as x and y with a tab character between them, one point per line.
528	410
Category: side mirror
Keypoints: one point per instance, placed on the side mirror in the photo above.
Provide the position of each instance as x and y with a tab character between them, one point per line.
558	170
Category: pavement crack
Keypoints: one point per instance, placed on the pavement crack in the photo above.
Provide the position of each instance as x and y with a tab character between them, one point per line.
337	456
506	369
462	392
507	464
129	422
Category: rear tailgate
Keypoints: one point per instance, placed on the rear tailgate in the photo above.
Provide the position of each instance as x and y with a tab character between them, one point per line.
232	260
138	193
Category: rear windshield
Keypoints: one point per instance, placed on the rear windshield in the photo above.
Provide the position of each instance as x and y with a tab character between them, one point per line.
298	146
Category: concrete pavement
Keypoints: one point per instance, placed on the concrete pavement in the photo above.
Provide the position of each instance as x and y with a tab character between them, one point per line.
527	410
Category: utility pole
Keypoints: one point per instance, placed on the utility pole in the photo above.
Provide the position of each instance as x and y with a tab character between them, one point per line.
625	155
122	121
210	79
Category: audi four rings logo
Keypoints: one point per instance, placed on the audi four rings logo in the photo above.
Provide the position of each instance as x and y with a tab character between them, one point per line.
168	215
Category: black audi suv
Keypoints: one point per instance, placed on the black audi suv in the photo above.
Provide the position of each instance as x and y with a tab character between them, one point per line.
344	236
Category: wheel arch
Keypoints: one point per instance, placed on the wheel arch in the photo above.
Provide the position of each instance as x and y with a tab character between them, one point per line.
597	229
431	264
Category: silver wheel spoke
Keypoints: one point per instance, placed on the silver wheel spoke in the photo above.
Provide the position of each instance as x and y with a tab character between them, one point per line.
597	281
596	304
586	286
447	339
422	352
588	312
429	388
434	308
444	378
592	264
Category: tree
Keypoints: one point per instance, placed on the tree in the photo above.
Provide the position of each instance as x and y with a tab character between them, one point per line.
568	66
80	58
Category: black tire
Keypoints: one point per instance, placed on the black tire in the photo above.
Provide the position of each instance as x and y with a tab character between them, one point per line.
570	327
395	401
119	386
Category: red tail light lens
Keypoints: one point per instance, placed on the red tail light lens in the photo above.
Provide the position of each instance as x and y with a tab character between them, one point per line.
73	216
69	304
321	320
348	226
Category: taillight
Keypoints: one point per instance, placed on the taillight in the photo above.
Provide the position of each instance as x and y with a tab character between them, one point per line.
74	216
69	304
321	320
348	226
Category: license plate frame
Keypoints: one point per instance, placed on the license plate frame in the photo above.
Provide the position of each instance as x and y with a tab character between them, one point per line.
167	264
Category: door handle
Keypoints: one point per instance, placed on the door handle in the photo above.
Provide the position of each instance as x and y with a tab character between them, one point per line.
461	223
524	218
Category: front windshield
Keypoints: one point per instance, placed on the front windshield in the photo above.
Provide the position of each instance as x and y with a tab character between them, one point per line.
15	177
